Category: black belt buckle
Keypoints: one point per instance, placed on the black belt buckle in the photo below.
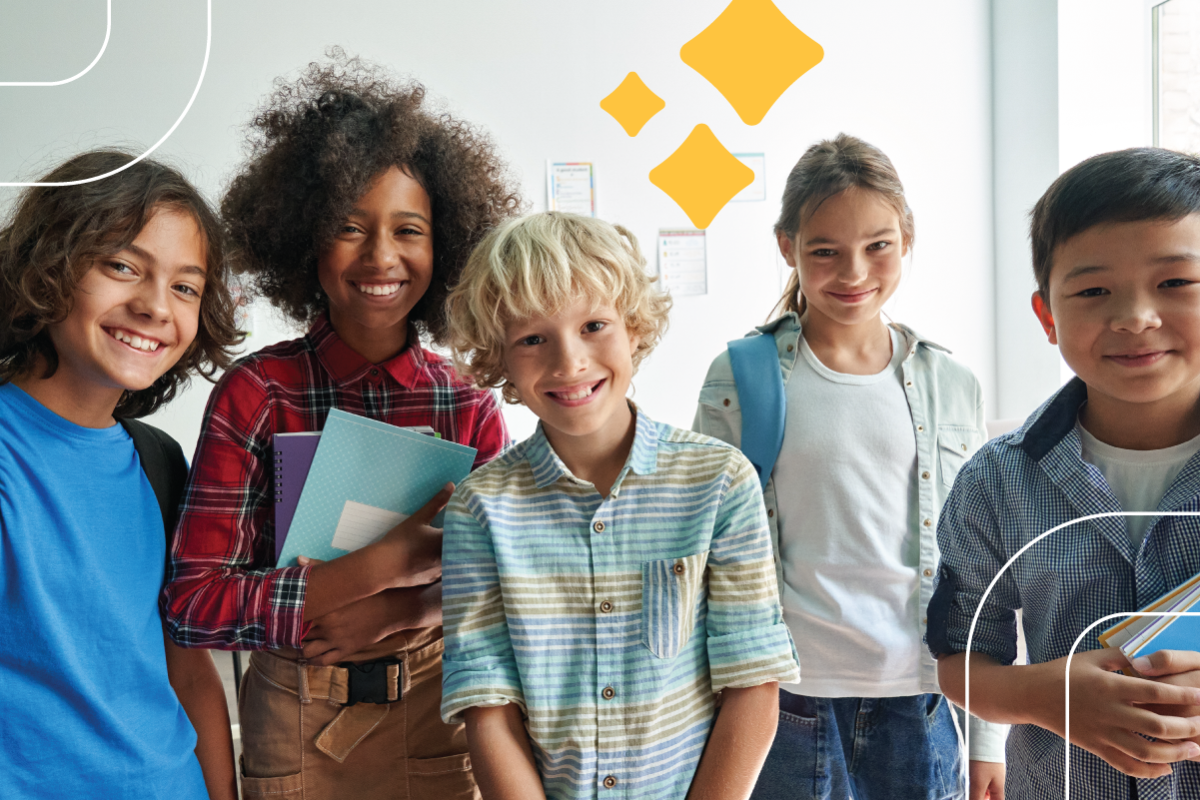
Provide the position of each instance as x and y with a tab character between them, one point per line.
368	682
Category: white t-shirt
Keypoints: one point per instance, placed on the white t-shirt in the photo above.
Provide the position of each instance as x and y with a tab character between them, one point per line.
847	489
1138	478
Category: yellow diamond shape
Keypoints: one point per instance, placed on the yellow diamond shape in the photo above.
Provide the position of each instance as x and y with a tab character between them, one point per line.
701	176
752	53
632	104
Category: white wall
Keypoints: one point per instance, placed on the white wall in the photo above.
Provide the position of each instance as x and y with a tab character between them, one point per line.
913	78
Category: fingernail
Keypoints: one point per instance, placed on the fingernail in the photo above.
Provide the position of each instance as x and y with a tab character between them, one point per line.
1193	750
1141	663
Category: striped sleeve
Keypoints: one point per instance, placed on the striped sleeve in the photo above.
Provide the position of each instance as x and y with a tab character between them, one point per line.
748	642
478	666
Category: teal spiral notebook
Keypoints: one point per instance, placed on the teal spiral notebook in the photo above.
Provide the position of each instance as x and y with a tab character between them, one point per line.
366	477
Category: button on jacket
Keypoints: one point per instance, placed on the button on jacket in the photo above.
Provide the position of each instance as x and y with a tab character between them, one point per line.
612	621
946	404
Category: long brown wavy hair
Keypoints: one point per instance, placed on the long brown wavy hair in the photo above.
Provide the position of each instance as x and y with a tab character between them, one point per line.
829	168
56	233
318	143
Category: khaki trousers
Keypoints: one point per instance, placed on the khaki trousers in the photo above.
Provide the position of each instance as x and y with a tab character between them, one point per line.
300	743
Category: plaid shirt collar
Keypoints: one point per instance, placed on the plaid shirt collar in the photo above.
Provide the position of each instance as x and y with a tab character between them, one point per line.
1053	422
347	366
643	456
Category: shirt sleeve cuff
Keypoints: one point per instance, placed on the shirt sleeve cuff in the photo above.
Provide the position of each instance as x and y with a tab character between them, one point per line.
987	740
479	682
752	658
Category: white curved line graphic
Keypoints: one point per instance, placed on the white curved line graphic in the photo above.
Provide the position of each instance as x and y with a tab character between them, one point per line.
1071	655
86	70
156	145
992	585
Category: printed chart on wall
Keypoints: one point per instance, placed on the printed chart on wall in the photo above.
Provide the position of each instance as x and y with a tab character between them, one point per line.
571	187
682	262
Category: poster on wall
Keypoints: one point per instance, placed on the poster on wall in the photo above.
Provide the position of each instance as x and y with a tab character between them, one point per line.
758	189
682	261
571	187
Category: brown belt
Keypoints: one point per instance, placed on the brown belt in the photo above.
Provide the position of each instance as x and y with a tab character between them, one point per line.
331	683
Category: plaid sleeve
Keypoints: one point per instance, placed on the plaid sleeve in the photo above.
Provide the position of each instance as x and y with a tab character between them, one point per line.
748	642
221	590
972	555
490	436
478	666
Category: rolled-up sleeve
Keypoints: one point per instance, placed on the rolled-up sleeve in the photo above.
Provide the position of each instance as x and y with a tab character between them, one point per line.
748	642
478	666
972	555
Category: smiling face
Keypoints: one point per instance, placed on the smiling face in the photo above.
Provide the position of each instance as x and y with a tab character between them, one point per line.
1124	309
133	316
573	370
849	255
379	265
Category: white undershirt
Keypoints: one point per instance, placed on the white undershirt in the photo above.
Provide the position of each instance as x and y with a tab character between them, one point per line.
847	497
1138	478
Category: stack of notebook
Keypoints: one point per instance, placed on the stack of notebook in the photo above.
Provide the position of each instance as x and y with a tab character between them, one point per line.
1141	636
343	488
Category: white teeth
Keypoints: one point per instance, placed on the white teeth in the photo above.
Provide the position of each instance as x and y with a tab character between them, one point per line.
138	342
582	393
378	289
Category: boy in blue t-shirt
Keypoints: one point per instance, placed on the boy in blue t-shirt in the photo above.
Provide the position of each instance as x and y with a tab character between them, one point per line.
1116	253
113	294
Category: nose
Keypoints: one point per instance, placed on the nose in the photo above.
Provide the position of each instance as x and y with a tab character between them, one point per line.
152	300
382	251
1135	313
570	357
855	268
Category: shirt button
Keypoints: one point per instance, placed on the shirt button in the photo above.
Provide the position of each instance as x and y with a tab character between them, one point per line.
925	475
908	383
374	372
791	348
679	567
606	606
920	427
726	401
598	527
928	573
964	447
770	512
610	782
927	523
609	693
924	620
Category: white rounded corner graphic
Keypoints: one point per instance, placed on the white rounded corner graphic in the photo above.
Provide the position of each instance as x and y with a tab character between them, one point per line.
86	70
966	740
156	145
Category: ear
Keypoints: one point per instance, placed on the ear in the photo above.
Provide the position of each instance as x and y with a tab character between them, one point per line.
1041	308
786	248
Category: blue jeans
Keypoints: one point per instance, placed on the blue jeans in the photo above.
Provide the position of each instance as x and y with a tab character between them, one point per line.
868	748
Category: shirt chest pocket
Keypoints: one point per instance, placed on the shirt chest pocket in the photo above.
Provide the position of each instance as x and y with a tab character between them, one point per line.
956	443
670	590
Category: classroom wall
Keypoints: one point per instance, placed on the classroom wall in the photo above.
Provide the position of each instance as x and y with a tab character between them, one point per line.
913	78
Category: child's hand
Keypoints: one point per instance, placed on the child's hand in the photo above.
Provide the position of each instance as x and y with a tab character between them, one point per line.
366	629
1109	710
417	545
1176	668
987	780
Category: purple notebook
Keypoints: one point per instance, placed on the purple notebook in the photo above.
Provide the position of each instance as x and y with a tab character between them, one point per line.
293	456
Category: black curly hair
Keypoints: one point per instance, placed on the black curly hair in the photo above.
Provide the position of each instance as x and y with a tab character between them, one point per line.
317	144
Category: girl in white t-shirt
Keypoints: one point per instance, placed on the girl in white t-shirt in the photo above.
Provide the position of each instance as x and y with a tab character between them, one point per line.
877	421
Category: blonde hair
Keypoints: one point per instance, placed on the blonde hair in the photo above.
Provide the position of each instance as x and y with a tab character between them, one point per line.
537	265
826	169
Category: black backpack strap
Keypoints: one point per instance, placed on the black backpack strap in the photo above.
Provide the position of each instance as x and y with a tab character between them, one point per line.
165	466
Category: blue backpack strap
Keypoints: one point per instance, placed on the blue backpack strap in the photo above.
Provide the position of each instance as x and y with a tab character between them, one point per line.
755	362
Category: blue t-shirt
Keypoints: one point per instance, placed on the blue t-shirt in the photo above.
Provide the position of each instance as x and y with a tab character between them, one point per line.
86	709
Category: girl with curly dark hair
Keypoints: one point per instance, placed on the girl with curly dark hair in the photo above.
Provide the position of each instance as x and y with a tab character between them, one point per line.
356	210
112	293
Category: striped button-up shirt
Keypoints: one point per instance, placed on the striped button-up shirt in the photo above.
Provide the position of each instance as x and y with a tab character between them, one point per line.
1016	488
612	621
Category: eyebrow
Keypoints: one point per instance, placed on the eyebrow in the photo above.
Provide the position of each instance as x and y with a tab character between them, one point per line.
1173	258
821	240
145	255
358	212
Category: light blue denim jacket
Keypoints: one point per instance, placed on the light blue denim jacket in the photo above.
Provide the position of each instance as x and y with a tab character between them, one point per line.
947	416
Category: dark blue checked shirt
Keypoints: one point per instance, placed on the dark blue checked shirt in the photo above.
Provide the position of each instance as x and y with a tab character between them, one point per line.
1015	488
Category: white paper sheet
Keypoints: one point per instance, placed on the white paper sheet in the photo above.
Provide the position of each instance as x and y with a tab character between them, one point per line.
360	525
682	261
571	187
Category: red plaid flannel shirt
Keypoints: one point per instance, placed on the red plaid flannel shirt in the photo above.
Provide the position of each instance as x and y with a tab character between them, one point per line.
222	588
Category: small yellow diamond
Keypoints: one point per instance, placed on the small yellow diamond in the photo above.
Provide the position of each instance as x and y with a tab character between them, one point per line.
752	53
632	104
701	176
